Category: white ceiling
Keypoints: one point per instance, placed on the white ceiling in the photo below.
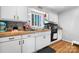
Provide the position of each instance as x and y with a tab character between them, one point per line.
59	9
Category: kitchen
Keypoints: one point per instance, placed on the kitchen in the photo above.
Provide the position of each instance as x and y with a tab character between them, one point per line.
33	29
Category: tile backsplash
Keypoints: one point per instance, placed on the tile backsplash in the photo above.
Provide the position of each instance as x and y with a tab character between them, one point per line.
10	25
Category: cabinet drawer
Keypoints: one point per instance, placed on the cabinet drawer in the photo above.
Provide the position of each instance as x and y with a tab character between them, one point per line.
44	33
4	39
48	32
28	36
41	33
17	37
36	34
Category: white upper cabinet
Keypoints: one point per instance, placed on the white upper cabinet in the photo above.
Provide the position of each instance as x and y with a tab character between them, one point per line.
53	17
22	13
8	12
14	13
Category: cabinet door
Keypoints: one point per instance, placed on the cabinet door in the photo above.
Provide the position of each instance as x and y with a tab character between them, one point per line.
10	47
39	42
22	13
29	45
8	12
42	40
46	39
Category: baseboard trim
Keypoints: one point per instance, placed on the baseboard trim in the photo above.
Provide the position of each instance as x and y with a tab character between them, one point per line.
54	41
67	41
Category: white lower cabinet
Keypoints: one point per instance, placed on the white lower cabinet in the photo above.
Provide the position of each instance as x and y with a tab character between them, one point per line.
42	41
25	43
47	39
28	45
10	47
39	42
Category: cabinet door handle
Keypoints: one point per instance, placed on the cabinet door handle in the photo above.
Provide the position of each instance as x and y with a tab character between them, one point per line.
19	42
23	41
11	38
44	37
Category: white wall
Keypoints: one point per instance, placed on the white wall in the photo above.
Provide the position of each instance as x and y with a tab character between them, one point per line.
69	21
53	17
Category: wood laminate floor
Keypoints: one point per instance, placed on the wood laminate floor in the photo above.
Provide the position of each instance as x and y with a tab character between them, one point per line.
65	47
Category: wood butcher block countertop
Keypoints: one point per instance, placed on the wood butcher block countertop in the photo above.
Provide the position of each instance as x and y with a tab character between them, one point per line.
15	33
